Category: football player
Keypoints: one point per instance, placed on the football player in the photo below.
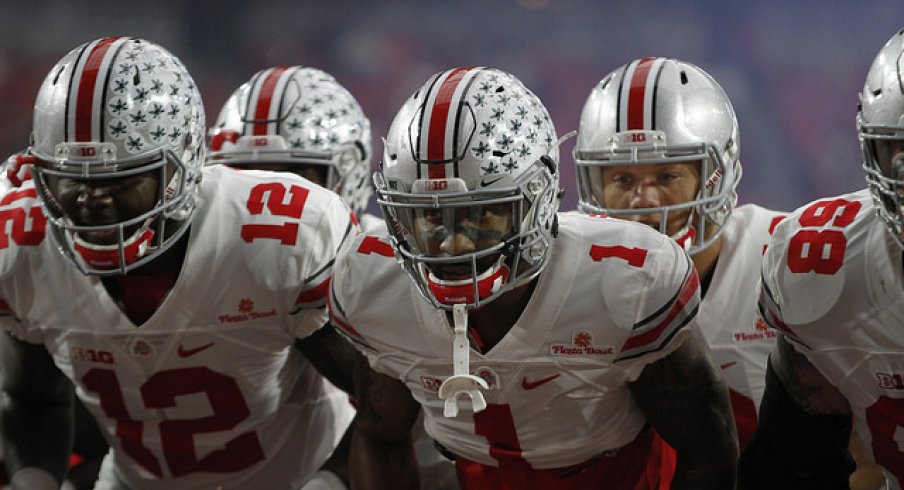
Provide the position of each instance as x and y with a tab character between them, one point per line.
299	119
658	144
543	347
832	287
182	304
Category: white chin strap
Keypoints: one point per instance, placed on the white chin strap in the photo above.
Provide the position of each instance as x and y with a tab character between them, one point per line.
462	382
685	237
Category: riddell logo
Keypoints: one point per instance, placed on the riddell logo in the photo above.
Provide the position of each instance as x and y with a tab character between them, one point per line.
714	179
246	312
581	345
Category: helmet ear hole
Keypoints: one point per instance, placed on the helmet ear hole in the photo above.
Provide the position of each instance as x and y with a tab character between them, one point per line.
362	150
56	78
551	165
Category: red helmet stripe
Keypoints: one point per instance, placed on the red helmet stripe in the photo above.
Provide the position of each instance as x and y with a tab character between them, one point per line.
439	116
84	104
439	129
637	96
265	98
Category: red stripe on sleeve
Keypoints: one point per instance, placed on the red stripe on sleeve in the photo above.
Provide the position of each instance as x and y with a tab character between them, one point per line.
341	324
85	99
687	292
315	294
778	323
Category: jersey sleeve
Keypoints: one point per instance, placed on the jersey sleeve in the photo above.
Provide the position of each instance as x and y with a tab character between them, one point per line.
353	299
22	227
808	261
344	289
22	232
768	302
332	237
667	304
769	298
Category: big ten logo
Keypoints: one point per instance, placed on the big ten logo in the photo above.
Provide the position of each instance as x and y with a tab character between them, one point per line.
634	137
87	151
261	141
85	354
890	381
437	185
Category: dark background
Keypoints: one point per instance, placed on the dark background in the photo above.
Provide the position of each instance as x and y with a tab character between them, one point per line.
792	68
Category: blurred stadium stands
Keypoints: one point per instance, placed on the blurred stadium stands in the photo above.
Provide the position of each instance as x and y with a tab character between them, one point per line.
792	68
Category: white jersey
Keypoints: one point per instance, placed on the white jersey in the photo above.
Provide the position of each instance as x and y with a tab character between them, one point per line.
210	392
614	297
740	345
369	222
832	284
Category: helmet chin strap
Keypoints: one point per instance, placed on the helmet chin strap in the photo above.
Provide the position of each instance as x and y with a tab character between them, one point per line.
462	290
685	237
462	382
106	257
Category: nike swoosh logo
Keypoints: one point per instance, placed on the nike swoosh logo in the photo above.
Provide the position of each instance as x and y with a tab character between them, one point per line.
485	183
183	352
728	364
529	385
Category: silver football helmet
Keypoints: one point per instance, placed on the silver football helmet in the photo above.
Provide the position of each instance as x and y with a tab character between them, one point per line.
111	108
298	116
662	111
472	144
880	122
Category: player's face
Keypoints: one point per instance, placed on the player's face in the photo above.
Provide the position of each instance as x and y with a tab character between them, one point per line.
890	155
105	201
449	232
651	186
315	173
